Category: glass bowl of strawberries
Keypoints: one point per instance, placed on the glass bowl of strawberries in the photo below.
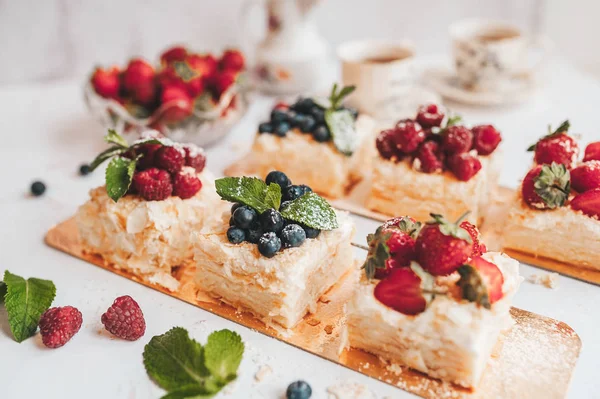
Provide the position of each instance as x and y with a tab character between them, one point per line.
188	97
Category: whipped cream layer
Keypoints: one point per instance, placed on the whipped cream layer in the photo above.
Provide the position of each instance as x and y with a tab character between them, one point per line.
280	289
451	340
147	238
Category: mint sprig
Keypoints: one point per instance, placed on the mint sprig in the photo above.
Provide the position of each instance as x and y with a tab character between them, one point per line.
311	210
186	369
119	175
250	191
25	302
112	137
340	122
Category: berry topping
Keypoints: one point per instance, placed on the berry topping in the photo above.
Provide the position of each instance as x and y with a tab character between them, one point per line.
406	223
271	220
442	246
481	282
85	169
265	127
169	158
235	235
430	115
195	158
586	176
282	105
464	165
292	235
407	290
153	184
457	139
306	124
321	134
279	115
588	203
59	325
408	134
592	152
479	248
279	178
176	53
485	139
304	105
147	151
556	147
37	188
298	390
546	186
253	235
318	113
269	244
292	192
430	157
310	232
232	60
281	129
245	217
106	82
186	185
125	319
385	144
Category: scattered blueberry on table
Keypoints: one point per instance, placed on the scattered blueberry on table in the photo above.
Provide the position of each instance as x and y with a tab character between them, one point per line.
38	188
298	390
85	169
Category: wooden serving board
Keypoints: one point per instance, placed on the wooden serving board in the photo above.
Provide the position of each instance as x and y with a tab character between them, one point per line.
535	359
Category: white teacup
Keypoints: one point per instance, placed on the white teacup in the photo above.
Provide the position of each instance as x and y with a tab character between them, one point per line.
382	72
489	53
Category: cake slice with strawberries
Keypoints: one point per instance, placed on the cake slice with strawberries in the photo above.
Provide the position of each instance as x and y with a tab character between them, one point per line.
157	192
278	250
316	141
556	212
432	298
433	164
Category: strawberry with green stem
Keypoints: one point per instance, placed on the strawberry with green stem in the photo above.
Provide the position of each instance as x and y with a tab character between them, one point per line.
480	282
547	186
556	147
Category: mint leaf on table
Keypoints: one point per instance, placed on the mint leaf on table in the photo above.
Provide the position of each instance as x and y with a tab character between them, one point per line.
249	191
2	291
25	301
119	174
311	210
112	137
341	126
183	367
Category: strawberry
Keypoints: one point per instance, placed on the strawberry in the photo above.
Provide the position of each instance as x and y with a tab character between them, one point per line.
546	186
592	152
202	65
479	248
442	246
106	82
481	282
232	60
282	105
179	104
139	73
557	146
407	290
586	176
176	53
220	82
588	203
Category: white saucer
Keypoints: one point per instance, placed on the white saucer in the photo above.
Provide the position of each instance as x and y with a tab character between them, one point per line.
444	81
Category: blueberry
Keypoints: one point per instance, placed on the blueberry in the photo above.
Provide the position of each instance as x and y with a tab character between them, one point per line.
310	232
85	169
265	127
278	177
305	189
308	124
245	217
298	390
271	220
235	235
284	205
269	244
282	128
318	113
297	120
321	134
278	115
292	192
292	235
235	206
253	235
38	188
303	105
231	221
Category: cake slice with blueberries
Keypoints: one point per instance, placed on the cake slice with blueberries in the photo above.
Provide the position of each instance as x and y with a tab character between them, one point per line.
156	193
317	141
278	250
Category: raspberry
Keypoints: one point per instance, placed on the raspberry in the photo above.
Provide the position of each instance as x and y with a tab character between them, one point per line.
385	144
485	139
430	157
407	135
59	325
430	115
586	177
592	152
153	184
186	185
402	247
148	152
464	165
125	319
195	157
170	159
457	139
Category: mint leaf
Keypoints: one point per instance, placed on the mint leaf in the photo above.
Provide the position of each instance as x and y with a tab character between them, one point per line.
25	301
273	196
2	291
191	392
312	211
119	174
249	191
341	126
223	353
107	154
112	137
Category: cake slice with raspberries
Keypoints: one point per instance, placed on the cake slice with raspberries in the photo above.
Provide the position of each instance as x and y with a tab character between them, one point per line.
432	299
157	193
556	212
